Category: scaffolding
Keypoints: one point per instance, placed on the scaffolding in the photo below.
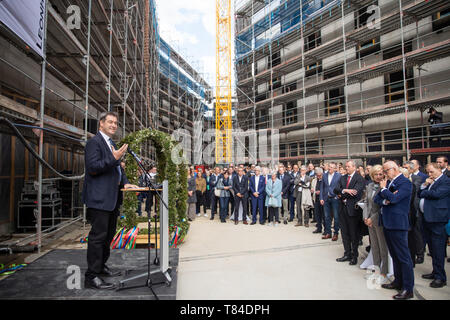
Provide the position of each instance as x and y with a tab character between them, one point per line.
106	56
337	82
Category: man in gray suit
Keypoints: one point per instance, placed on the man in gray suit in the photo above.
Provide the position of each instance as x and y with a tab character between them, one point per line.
301	181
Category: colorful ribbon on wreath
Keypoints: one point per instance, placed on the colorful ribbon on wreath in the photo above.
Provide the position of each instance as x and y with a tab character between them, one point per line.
11	269
125	240
177	238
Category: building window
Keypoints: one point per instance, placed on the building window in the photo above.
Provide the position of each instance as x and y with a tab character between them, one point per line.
293	150
282	150
289	87
333	72
276	58
276	83
313	69
441	20
312	147
373	142
312	41
261	119
369	47
290	113
395	88
334	102
393	140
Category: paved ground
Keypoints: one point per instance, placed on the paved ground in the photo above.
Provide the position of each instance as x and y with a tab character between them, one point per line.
224	261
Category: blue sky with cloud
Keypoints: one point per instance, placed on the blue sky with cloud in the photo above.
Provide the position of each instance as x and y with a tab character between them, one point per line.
189	26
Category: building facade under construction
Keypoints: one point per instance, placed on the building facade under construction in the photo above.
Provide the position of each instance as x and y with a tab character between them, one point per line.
111	59
343	79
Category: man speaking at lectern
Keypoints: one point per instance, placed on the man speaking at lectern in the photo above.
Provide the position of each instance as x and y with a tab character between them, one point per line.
104	177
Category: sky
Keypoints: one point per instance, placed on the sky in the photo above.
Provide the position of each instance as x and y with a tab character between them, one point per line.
189	26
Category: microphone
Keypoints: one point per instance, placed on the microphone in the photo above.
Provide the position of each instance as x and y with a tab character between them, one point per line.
135	156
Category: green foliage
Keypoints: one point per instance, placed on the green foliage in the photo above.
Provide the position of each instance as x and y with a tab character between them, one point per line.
176	175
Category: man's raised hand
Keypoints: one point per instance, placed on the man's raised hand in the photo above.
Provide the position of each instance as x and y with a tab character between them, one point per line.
119	153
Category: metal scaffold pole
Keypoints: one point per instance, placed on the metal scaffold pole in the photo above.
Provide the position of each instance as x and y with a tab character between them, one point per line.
41	136
110	28
347	115
302	46
405	84
86	104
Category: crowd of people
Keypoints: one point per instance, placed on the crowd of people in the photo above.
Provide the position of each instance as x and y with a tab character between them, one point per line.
403	208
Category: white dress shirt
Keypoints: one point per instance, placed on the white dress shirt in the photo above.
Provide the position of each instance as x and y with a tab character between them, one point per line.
256	182
422	187
108	142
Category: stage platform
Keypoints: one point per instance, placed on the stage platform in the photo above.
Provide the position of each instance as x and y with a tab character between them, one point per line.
47	277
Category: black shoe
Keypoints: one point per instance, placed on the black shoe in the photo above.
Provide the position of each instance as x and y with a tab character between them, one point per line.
419	260
344	258
368	249
97	283
391	286
317	231
313	221
252	223
429	276
285	222
438	283
189	219
353	261
404	295
290	220
212	218
106	272
262	223
278	221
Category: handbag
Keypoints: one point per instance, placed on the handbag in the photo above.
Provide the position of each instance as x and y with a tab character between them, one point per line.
217	192
273	202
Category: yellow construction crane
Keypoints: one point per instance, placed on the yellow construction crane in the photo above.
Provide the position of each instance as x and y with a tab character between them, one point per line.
223	82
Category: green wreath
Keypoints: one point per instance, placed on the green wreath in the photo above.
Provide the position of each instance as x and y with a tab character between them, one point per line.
166	149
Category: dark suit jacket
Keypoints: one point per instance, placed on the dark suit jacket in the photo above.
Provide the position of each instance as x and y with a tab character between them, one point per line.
261	187
241	187
357	183
101	181
213	181
292	187
327	189
422	176
286	181
436	205
395	215
447	172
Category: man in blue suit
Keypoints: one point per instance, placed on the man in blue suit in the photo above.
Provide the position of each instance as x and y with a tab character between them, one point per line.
104	177
215	177
257	186
330	201
394	200
294	175
434	203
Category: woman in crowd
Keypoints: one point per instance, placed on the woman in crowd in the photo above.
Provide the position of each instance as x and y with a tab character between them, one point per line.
224	185
207	197
273	198
371	216
303	198
200	188
192	197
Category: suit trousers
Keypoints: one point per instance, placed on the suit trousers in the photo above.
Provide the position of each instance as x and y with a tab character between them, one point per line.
302	215
291	206
237	202
285	208
350	231
379	248
200	201
258	206
319	214
214	202
437	237
397	242
273	212
103	229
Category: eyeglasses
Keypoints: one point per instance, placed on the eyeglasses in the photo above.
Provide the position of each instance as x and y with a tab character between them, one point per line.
385	171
